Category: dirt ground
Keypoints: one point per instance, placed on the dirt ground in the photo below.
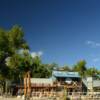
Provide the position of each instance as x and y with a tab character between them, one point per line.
2	98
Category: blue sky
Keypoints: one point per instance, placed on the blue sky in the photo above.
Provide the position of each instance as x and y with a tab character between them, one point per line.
63	31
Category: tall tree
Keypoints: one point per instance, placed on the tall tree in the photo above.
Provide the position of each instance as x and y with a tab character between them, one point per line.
11	41
80	67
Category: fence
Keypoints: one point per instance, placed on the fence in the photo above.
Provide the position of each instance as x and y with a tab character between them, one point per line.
70	95
61	95
84	95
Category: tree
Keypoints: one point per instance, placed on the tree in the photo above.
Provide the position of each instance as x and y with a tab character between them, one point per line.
92	71
51	67
80	67
11	41
40	70
66	68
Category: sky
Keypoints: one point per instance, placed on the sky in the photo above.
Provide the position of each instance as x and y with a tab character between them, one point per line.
61	31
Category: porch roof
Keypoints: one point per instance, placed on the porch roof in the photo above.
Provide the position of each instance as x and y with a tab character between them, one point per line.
42	80
66	74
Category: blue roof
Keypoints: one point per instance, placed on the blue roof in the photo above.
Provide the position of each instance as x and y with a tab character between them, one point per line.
66	74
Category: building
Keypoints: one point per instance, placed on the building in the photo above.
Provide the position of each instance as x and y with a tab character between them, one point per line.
43	87
92	83
69	80
42	84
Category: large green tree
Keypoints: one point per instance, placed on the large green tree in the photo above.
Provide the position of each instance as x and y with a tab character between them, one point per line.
80	67
40	70
11	41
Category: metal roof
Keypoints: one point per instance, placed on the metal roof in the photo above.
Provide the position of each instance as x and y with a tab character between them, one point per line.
66	74
96	83
42	80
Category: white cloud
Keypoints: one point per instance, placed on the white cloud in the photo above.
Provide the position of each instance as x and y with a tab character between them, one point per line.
34	54
89	42
40	53
93	43
96	60
97	44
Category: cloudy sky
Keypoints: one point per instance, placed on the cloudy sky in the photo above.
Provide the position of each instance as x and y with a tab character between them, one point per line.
61	31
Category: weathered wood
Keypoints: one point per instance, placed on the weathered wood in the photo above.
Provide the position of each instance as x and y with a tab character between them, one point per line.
27	85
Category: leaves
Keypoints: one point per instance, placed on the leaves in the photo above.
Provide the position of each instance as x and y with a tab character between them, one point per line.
92	71
80	67
10	42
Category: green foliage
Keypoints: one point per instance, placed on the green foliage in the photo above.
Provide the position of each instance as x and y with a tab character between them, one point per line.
66	68
40	70
80	67
51	67
11	41
16	39
92	71
85	71
12	63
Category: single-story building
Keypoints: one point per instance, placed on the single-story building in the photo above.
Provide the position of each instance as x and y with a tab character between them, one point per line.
92	84
70	80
